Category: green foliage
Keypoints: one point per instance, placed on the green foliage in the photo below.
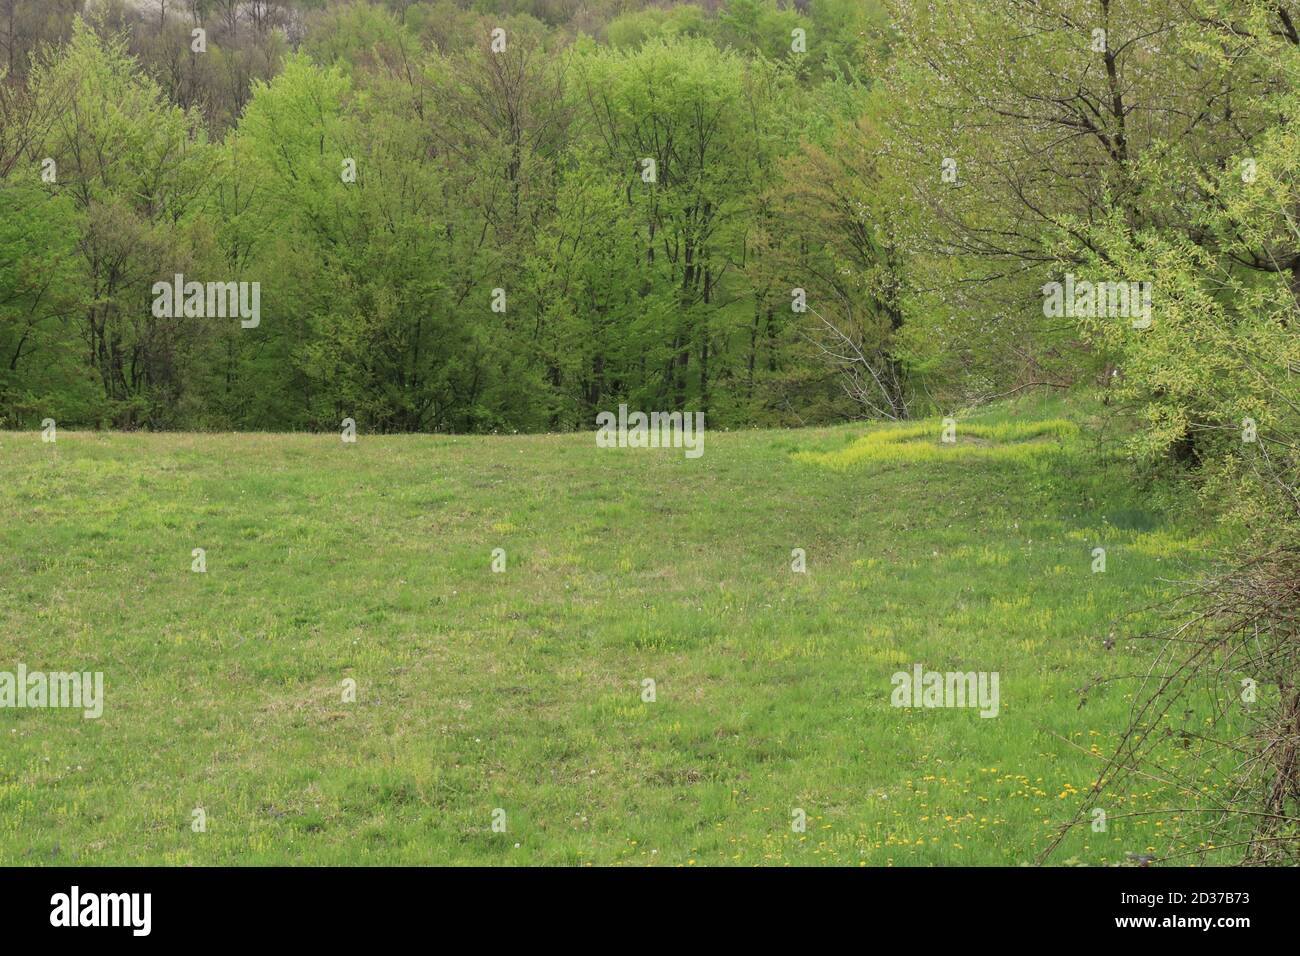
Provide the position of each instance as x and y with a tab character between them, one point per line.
476	170
39	378
1085	147
130	169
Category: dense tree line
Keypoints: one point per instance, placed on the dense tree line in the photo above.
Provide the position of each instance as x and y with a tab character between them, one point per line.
448	231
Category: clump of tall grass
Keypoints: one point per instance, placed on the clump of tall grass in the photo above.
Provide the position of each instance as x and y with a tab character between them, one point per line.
923	442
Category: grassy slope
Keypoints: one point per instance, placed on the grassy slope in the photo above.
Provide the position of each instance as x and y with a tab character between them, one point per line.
522	690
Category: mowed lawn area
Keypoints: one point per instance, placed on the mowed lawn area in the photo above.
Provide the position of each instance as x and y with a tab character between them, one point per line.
523	691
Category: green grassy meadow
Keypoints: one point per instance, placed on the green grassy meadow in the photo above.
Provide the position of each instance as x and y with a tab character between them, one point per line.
522	690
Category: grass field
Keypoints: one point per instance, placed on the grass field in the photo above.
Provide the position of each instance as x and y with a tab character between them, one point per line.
523	690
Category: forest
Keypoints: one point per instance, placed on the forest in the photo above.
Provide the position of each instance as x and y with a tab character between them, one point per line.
511	216
445	237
